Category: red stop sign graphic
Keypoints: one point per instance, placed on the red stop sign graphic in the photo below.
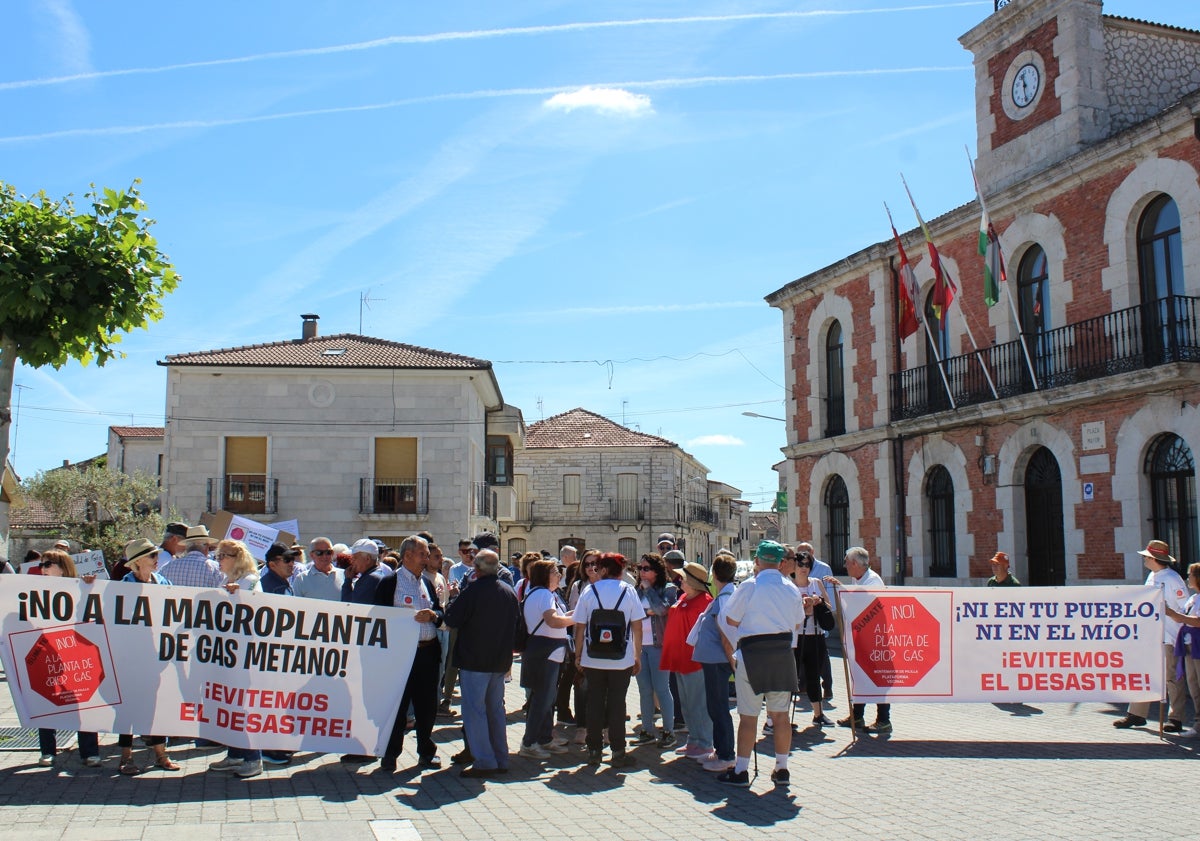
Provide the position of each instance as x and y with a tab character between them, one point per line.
896	641
64	667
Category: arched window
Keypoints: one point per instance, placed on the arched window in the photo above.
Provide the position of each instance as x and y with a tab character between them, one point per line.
835	382
1171	469
940	327
939	505
1160	250
939	348
837	523
1033	291
1160	266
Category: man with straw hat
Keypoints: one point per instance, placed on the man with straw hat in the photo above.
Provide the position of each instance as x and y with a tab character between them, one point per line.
1158	560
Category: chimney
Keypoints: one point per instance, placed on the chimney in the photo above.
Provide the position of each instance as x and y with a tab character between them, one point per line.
308	329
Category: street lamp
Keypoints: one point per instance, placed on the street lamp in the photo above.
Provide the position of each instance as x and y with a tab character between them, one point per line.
764	417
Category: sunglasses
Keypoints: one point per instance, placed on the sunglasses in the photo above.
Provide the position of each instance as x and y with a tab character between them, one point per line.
227	554
590	566
45	564
805	564
645	569
320	552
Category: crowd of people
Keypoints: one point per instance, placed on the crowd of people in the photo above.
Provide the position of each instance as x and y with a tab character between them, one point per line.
584	625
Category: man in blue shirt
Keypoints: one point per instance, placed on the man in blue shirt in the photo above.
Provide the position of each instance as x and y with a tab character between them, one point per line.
365	573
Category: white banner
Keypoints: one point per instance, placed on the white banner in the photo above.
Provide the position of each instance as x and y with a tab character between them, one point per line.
258	537
248	669
1003	644
90	562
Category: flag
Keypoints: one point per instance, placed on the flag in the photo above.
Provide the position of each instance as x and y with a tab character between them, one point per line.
993	260
909	320
943	285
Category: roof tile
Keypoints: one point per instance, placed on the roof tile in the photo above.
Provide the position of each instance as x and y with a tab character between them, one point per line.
344	350
581	428
138	431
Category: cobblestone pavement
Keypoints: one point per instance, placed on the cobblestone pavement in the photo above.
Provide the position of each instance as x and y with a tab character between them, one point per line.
948	771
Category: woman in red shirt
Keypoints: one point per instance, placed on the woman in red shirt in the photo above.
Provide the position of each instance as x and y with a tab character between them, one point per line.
677	658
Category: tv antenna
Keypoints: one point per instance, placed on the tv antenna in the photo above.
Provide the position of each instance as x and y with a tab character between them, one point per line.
365	300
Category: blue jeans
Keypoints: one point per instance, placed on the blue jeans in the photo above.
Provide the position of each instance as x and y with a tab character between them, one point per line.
653	681
716	694
694	703
483	717
539	717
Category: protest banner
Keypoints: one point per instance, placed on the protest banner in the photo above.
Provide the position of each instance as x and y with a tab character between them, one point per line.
244	669
1003	644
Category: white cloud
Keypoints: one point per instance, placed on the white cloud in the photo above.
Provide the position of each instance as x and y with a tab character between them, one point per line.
716	441
604	100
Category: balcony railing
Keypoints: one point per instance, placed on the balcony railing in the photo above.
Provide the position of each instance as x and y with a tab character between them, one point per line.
243	494
1144	336
483	501
524	512
627	510
380	495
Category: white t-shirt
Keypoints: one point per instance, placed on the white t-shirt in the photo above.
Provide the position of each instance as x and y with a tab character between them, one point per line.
607	592
537	602
776	609
1174	596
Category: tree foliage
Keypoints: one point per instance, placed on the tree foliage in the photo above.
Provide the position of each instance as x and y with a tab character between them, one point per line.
99	508
71	283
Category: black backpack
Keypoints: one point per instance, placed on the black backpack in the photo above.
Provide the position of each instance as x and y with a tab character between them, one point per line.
607	630
521	638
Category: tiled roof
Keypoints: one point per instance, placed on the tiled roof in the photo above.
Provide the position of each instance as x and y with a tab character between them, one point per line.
1165	26
581	428
138	431
31	514
344	350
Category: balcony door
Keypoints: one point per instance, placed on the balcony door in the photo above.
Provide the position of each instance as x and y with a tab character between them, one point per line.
1044	521
1033	292
1160	269
395	476
245	480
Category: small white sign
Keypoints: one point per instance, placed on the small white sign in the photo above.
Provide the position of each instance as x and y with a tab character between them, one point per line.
258	537
1091	436
1089	491
90	563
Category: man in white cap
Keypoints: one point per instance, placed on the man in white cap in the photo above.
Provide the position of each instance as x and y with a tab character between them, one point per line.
365	573
1157	559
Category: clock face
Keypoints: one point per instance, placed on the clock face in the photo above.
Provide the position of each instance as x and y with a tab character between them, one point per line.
1025	85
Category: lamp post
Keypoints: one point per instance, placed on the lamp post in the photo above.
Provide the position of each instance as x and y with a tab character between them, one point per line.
764	417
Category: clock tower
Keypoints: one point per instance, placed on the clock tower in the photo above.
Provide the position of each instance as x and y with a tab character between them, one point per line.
1040	86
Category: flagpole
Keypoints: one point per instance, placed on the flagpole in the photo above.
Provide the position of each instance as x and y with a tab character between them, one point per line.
924	321
1012	304
940	269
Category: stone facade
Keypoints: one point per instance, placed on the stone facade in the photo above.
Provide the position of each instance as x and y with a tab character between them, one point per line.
1098	416
321	429
1147	72
632	487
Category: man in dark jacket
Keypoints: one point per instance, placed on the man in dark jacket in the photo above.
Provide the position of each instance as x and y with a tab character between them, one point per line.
485	615
408	588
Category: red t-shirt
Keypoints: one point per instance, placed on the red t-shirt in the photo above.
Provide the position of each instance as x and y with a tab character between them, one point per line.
676	653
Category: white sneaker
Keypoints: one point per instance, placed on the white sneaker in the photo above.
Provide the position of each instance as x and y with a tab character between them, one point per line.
554	747
768	728
708	757
46	760
250	769
1191	731
229	763
91	761
533	752
718	765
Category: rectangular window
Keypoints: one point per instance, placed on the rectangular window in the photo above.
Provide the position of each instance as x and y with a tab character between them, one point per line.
571	489
395	477
245	482
499	460
627	546
627	497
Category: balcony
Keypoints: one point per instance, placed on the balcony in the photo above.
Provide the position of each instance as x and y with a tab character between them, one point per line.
379	495
243	494
505	497
483	501
627	510
523	512
1145	336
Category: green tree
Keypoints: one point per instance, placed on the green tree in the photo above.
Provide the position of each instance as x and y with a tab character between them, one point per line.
99	508
72	283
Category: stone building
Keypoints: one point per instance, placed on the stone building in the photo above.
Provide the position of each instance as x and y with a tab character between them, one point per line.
1068	439
133	449
589	482
349	435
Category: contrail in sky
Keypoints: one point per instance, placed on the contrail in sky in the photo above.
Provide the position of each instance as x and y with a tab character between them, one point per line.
471	35
659	84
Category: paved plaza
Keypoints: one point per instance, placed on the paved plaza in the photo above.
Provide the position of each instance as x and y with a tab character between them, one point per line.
948	771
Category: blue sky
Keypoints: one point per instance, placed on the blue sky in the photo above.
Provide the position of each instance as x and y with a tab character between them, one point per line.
594	196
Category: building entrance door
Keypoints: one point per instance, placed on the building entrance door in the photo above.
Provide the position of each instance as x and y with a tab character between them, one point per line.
1044	521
